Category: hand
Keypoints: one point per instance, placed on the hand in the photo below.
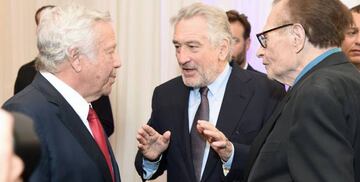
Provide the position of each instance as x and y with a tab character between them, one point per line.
217	140
151	143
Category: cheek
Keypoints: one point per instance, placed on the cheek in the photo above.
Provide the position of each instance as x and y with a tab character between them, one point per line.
346	45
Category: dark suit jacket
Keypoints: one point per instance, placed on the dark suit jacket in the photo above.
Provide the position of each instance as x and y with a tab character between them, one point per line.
313	134
250	68
248	102
101	106
69	152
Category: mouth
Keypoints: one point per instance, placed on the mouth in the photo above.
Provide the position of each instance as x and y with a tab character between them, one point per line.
188	72
354	52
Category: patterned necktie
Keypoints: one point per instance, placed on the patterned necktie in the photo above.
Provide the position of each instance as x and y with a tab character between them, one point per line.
197	142
99	136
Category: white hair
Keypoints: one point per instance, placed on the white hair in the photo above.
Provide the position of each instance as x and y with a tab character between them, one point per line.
63	29
217	20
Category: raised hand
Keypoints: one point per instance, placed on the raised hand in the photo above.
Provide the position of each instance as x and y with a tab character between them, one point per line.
151	143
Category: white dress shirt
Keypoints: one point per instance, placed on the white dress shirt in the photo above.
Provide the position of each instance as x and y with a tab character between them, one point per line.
76	101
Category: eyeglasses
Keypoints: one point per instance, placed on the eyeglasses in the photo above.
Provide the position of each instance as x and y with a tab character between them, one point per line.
261	36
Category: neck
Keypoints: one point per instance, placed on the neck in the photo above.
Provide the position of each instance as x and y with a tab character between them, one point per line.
303	58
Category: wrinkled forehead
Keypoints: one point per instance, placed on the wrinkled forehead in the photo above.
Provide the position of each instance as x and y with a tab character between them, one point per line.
279	15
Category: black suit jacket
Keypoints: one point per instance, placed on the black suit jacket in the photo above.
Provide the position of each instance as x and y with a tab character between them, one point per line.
250	68
313	134
69	152
248	102
101	106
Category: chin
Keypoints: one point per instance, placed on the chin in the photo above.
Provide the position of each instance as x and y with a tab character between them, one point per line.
191	83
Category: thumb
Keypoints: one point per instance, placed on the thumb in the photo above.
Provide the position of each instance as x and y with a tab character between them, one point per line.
166	136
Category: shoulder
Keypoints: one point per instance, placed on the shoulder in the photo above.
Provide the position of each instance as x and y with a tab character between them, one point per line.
258	80
173	84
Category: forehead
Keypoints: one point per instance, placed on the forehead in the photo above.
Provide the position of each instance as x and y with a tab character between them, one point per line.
194	28
356	18
237	27
277	14
105	33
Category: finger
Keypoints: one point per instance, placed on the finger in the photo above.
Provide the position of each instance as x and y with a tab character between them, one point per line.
166	137
219	144
141	140
149	130
141	147
143	133
212	136
205	125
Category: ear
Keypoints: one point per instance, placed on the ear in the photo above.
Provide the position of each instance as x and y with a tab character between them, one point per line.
247	43
74	59
224	49
299	37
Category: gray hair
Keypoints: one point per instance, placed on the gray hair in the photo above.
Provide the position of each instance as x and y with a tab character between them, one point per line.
63	29
218	24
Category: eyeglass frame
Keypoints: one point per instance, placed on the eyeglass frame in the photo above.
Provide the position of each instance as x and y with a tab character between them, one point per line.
261	36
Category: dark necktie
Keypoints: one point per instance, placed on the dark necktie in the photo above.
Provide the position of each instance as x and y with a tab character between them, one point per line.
197	142
99	136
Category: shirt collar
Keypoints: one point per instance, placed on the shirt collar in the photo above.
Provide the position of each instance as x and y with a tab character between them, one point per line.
76	101
314	62
246	65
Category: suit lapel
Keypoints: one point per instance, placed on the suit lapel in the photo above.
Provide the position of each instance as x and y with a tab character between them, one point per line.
236	98
260	139
184	127
74	124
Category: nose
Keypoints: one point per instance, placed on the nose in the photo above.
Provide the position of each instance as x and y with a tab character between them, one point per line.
117	61
260	52
182	55
357	40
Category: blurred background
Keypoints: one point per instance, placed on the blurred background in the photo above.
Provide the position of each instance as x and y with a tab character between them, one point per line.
144	36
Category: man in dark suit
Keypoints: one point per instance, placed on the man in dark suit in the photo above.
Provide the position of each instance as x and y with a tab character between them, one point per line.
204	137
240	31
313	134
77	64
27	73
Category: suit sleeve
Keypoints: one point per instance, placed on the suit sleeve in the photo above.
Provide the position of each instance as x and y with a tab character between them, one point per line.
139	157
319	147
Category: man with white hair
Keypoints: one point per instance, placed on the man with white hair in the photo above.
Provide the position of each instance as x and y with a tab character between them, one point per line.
77	64
203	122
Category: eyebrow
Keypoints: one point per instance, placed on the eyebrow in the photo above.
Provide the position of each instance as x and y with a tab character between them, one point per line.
187	42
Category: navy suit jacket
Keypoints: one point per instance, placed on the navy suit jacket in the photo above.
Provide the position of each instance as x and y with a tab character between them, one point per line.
314	133
69	152
248	102
102	106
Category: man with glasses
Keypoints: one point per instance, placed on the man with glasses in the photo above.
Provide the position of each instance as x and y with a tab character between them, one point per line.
313	134
351	44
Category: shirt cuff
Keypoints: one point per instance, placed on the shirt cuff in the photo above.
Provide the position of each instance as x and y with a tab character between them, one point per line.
150	167
227	165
